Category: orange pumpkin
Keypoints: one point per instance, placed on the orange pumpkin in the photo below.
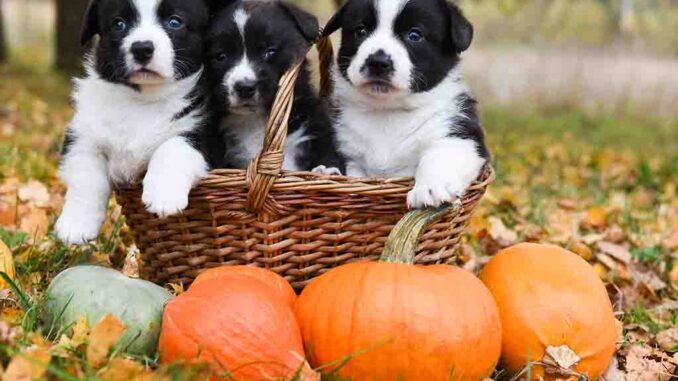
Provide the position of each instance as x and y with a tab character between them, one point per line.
554	310
278	283
398	321
238	324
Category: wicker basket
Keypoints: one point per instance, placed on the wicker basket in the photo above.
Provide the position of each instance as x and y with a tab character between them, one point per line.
297	224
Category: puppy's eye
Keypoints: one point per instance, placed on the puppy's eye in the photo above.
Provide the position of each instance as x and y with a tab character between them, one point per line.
269	54
415	35
221	56
175	22
119	25
360	32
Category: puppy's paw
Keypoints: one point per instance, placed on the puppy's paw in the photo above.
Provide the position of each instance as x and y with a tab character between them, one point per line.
323	170
74	228
164	200
434	193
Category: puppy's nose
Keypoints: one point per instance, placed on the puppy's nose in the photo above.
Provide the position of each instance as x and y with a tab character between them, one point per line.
142	51
245	89
379	64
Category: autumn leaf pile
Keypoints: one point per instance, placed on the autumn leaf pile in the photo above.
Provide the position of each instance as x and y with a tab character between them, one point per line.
604	187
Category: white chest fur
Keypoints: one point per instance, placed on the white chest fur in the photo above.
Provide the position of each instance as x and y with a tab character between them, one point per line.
249	131
127	126
388	142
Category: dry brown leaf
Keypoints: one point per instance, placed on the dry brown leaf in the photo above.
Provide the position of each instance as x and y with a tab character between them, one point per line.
131	265
34	192
651	281
567	204
35	223
7	214
615	234
671	242
30	365
617	252
500	233
120	369
647	364
668	340
104	336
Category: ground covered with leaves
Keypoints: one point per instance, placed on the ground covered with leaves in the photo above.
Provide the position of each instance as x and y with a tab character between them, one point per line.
603	186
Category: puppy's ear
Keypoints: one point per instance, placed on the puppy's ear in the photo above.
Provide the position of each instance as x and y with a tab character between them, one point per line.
306	22
90	26
462	30
335	22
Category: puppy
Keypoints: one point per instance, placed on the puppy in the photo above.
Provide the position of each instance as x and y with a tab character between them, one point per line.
139	108
403	109
251	44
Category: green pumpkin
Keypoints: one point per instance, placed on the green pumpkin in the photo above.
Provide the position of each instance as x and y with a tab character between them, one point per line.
94	292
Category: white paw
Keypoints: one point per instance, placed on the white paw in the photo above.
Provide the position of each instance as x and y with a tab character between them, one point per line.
323	170
164	200
434	193
77	229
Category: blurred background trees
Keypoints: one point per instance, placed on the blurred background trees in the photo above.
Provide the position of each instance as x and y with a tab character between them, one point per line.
68	26
3	42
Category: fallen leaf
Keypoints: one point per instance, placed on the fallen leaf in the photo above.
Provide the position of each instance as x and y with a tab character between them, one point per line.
673	274
567	204
647	364
615	234
617	252
120	369
104	336
500	233
35	223
595	218
671	242
582	250
29	365
668	340
6	264
651	281
34	192
81	332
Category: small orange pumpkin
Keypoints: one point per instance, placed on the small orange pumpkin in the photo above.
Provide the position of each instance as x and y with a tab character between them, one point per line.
398	321
278	283
554	310
238	324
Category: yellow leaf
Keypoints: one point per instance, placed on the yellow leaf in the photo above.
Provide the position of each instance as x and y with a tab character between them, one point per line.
582	250
31	365
6	264
104	336
596	218
35	223
120	369
80	332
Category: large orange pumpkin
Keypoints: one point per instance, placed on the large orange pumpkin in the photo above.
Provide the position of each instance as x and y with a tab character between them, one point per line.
398	321
554	310
240	325
278	283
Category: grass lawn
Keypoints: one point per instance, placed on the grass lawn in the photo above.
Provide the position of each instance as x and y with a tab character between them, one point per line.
563	176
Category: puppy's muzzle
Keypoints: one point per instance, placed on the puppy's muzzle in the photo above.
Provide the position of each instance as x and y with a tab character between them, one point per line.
246	90
142	52
379	66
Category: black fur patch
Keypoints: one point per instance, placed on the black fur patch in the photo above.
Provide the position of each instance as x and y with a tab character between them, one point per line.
467	125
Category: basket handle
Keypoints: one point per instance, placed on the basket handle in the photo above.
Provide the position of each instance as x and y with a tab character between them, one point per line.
265	168
401	244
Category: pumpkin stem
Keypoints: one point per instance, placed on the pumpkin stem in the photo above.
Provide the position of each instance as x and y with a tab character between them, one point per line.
401	245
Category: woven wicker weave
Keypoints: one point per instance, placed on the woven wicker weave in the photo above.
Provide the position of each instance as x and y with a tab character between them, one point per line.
297	224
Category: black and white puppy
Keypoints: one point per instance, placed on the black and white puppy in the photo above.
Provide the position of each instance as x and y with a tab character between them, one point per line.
403	109
139	108
251	44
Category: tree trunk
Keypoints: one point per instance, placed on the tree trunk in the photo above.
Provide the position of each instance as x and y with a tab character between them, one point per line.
68	27
3	41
